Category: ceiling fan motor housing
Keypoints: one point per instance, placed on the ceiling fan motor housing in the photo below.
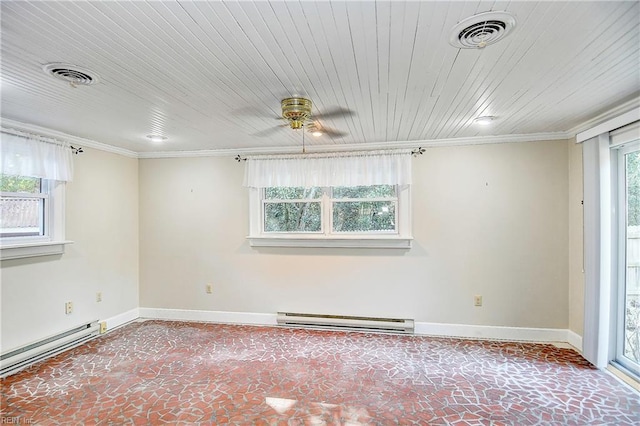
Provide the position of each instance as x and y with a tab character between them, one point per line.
296	111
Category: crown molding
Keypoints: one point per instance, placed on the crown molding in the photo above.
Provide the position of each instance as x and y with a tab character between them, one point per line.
54	134
427	143
617	111
610	125
611	114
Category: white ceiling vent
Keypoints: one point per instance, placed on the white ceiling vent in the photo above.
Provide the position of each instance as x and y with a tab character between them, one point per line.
481	30
72	74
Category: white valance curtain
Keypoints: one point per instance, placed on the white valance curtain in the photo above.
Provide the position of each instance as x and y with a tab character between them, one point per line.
326	170
29	156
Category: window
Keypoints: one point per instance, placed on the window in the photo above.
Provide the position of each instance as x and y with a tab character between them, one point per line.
358	216
628	282
30	216
23	206
292	209
364	209
358	199
33	172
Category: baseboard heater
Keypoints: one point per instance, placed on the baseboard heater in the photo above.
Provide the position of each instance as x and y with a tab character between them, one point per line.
14	361
341	322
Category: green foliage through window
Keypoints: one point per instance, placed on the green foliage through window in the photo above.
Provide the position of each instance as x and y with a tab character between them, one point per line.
278	193
364	216
29	185
358	209
292	217
374	191
633	188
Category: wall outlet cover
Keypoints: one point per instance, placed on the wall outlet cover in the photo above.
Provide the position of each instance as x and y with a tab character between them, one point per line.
477	300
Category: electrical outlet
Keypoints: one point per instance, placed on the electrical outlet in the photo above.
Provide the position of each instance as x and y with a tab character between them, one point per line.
209	288
99	296
477	300
68	308
103	327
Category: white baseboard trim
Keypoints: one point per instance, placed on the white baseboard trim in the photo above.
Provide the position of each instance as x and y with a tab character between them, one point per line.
575	340
209	316
421	328
492	332
122	319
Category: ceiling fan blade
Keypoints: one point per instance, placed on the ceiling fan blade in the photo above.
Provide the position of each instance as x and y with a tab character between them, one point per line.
315	126
252	111
333	133
270	131
334	112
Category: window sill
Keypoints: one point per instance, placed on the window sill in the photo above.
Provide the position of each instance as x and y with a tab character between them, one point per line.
32	249
338	242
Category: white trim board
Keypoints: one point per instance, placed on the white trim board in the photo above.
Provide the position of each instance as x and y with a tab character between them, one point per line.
428	143
54	134
208	316
609	125
608	115
488	332
421	328
580	131
575	340
121	319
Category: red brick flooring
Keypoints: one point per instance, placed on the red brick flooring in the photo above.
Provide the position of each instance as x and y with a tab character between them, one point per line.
158	372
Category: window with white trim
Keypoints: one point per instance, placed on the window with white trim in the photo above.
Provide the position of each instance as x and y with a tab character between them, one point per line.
340	210
358	199
360	216
31	217
24	207
33	174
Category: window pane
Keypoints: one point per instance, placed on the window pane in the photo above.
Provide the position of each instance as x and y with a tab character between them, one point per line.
19	184
631	343
277	193
364	216
374	191
21	217
292	217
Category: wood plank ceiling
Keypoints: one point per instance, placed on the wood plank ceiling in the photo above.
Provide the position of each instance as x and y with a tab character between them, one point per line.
210	75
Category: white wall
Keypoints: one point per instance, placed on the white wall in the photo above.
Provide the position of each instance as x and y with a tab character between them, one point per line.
489	220
102	220
576	240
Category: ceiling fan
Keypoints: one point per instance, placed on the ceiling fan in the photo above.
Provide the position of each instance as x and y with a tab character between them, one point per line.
297	112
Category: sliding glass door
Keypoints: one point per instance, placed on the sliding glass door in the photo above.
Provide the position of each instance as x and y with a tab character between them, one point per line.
628	288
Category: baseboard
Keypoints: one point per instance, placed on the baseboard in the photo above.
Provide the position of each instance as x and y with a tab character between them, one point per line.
575	340
421	328
122	319
492	332
209	316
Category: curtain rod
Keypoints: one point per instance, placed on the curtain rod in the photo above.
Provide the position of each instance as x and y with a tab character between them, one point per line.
415	152
41	138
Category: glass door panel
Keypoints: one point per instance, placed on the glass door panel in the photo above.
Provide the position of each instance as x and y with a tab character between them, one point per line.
629	286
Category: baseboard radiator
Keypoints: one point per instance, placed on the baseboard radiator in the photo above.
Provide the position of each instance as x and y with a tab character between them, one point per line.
341	322
14	361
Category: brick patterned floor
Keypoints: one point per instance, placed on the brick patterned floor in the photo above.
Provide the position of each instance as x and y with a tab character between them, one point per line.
156	372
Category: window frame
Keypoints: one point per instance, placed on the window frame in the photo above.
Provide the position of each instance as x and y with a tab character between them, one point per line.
400	238
53	239
619	251
333	200
264	200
